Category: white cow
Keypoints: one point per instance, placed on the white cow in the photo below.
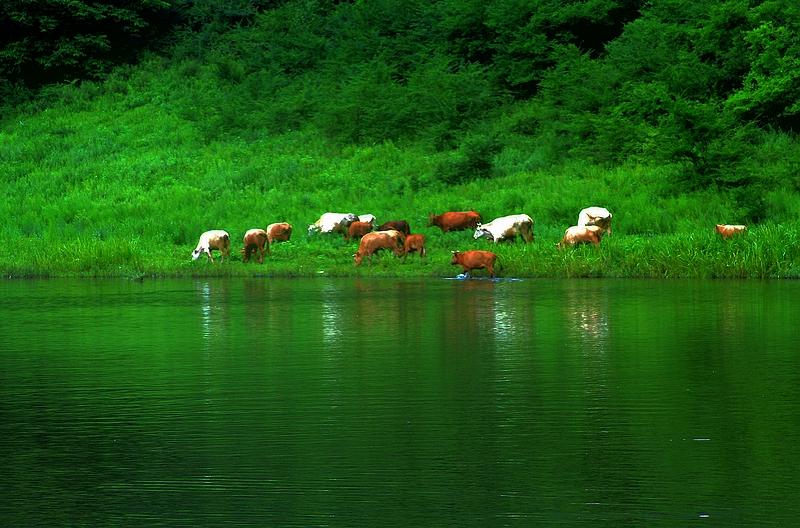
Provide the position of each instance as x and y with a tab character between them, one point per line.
332	223
214	239
595	216
506	228
368	218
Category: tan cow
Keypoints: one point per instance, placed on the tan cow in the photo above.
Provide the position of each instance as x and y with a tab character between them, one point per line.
728	230
375	241
279	232
581	235
414	242
358	229
255	241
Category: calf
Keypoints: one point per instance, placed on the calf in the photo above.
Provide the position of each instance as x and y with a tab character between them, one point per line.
214	239
581	235
279	232
475	259
358	230
727	230
455	221
414	243
400	225
255	240
373	242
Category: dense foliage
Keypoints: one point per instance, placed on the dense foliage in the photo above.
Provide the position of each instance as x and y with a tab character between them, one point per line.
675	114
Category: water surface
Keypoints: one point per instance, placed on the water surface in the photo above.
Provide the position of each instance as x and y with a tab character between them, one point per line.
399	403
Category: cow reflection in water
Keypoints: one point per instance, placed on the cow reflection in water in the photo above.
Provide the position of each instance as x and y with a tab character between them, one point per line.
214	319
587	314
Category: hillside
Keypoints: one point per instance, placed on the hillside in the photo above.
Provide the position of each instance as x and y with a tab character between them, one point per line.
675	117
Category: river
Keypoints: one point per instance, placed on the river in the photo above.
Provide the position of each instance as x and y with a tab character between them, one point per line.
346	402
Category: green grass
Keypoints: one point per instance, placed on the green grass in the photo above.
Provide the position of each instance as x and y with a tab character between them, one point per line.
769	251
109	182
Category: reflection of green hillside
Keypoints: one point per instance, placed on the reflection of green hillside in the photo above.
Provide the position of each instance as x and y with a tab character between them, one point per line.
675	117
397	403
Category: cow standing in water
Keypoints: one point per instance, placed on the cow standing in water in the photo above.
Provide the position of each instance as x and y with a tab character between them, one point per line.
474	259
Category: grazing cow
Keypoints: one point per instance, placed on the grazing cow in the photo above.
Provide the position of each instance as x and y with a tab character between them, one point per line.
372	242
358	229
214	239
332	223
279	232
595	216
368	218
728	230
475	259
394	233
506	228
414	243
581	235
400	225
255	240
455	221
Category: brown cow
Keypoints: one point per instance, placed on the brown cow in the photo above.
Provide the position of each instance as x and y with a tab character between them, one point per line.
279	232
455	221
358	229
728	230
414	243
372	242
399	225
255	240
575	235
475	259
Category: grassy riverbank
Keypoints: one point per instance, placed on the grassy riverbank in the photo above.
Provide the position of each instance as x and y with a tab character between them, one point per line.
316	106
87	195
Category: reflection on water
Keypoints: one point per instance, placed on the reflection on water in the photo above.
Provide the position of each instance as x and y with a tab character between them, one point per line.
398	403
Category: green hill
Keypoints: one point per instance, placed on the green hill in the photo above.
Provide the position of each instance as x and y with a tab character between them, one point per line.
675	116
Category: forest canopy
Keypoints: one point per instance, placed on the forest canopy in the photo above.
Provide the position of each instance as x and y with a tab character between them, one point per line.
713	87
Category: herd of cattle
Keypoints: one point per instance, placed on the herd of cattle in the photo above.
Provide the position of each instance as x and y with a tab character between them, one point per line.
396	236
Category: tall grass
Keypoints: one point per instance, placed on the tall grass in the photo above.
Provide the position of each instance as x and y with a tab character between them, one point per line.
121	178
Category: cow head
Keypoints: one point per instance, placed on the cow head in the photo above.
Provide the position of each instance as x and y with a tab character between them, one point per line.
454	260
482	232
196	253
313	228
